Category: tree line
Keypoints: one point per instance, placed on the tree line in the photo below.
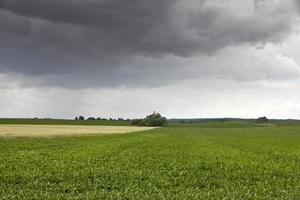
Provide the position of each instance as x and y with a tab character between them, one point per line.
99	118
154	119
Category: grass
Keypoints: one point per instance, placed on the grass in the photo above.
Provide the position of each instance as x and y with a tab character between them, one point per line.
212	161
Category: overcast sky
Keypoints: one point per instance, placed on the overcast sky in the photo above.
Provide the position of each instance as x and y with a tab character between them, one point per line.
127	58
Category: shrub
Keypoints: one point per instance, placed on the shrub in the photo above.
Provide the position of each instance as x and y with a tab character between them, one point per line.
137	122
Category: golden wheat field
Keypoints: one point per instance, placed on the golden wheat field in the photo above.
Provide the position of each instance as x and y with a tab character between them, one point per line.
63	130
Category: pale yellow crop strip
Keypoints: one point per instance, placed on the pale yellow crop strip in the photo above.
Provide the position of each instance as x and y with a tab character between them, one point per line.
57	130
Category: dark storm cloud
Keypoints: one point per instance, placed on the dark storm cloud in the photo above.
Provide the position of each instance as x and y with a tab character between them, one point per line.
298	4
94	12
111	24
95	39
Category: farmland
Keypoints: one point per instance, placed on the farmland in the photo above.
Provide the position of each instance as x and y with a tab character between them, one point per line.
211	160
63	130
64	122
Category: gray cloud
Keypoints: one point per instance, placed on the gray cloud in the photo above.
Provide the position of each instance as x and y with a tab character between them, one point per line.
104	42
297	2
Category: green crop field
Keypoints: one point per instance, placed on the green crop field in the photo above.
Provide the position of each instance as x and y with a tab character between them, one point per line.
211	160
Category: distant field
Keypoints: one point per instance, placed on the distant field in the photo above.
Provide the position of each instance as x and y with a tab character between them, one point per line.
63	130
64	122
215	160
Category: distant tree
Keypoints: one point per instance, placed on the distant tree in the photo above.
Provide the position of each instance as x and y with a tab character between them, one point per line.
91	118
99	118
120	119
111	119
262	120
76	118
155	119
80	118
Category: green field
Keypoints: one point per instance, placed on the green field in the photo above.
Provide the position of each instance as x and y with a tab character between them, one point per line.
213	160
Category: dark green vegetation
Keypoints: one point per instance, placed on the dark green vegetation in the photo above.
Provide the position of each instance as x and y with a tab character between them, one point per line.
211	160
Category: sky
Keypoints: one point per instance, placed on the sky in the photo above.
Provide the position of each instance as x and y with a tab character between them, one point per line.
128	58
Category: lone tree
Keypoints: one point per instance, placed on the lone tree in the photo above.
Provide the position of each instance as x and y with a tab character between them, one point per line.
155	119
262	120
81	118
